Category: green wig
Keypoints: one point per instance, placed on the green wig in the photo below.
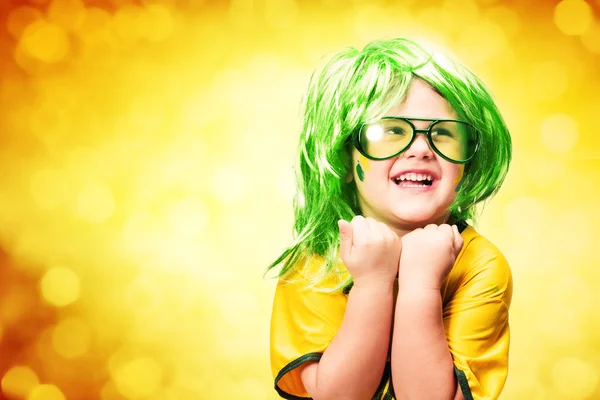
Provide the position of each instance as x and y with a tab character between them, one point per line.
357	86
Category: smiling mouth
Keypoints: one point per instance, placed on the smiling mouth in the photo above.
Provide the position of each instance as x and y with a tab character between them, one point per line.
414	180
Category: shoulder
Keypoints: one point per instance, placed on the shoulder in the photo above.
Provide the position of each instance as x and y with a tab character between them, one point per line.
481	266
310	272
479	253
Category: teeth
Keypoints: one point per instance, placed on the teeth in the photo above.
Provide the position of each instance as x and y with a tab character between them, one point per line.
411	176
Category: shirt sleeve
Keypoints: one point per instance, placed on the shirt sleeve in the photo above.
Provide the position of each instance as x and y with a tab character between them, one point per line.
477	329
303	323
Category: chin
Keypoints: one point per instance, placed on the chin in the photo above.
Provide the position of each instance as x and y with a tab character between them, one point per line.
418	218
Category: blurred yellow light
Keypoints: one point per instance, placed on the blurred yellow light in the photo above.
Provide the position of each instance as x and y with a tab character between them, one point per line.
49	122
159	22
48	188
95	19
17	302
549	80
573	17
241	11
591	39
507	19
545	171
95	203
71	338
68	14
45	42
578	221
559	133
146	113
127	23
60	286
188	217
46	392
482	41
138	378
574	378
526	214
100	47
230	183
18	381
20	18
286	186
281	13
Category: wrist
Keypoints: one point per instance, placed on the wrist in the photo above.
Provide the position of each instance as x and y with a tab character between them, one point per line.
376	284
419	294
420	279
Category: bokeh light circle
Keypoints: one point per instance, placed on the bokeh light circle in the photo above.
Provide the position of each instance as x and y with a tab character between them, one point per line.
573	17
46	392
18	381
45	42
60	286
559	133
138	378
71	338
95	203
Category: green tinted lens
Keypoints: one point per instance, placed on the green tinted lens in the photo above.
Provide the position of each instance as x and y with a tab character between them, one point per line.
455	140
385	138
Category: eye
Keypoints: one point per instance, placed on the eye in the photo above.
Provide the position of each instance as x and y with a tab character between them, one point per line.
443	132
396	131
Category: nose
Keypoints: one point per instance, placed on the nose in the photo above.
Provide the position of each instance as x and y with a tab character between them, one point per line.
419	148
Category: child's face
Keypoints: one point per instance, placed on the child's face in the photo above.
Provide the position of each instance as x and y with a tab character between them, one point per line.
407	205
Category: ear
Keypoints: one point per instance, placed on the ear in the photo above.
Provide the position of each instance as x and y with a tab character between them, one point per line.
349	177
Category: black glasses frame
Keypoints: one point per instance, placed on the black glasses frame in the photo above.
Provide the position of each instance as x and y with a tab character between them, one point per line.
427	132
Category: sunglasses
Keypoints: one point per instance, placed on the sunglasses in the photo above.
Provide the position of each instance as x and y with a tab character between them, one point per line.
453	140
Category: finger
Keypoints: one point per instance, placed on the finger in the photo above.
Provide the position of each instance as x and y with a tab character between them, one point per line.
360	230
387	232
458	240
346	235
447	230
375	229
431	227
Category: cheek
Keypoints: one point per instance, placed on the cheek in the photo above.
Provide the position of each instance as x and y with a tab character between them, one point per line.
458	178
363	165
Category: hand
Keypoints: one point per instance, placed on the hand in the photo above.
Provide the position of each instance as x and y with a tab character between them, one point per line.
370	250
428	255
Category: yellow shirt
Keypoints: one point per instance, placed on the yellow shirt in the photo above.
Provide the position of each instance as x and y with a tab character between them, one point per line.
476	298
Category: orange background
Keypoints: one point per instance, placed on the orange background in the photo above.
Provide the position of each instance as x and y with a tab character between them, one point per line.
145	183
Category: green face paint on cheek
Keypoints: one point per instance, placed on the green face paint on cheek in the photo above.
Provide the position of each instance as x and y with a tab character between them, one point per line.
360	172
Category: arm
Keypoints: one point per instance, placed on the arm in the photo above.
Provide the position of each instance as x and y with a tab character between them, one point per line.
422	366
421	361
352	365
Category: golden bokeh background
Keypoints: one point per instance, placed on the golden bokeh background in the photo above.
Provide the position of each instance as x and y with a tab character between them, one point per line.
146	152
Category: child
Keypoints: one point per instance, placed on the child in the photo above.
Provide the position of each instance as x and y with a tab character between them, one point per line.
405	301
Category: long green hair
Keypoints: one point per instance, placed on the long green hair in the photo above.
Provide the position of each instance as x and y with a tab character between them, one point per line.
355	86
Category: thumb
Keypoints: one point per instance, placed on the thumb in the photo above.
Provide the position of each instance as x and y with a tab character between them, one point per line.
458	240
345	238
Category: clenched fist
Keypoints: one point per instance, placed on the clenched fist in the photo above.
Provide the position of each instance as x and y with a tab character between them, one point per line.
370	250
428	255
